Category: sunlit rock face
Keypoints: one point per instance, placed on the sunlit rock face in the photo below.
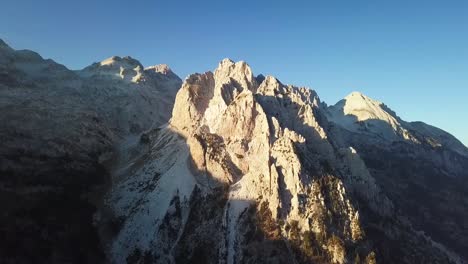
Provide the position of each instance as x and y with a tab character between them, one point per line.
224	167
263	172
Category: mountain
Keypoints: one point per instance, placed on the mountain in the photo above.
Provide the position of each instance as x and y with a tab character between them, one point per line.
359	113
109	164
250	170
422	169
58	125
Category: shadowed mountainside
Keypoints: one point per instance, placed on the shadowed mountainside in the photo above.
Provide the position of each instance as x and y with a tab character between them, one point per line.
57	128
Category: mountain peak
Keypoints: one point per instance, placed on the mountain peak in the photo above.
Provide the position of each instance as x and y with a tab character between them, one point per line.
363	107
358	96
240	72
226	62
126	68
125	62
228	65
355	93
357	109
2	43
4	46
160	68
269	85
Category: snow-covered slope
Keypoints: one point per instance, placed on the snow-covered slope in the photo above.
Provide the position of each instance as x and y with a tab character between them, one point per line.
130	97
361	114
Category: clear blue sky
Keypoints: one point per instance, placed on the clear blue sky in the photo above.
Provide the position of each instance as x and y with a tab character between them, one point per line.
413	55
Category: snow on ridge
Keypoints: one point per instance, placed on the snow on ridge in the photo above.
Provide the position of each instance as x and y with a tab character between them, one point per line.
145	200
161	68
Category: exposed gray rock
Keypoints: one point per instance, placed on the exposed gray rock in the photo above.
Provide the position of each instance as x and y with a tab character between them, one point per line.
288	180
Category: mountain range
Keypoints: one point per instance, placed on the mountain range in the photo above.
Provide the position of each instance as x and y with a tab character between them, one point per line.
118	163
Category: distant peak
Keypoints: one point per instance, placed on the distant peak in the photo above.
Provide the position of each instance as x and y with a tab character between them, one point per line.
226	62
122	61
126	68
357	94
270	86
272	80
357	107
160	68
239	71
260	78
229	65
3	45
111	60
360	97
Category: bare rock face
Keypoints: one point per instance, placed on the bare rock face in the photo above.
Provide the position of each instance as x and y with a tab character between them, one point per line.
266	178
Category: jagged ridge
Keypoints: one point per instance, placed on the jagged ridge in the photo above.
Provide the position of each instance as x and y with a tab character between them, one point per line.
268	154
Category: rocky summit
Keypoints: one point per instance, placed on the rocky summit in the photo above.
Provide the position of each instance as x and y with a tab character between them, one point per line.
118	163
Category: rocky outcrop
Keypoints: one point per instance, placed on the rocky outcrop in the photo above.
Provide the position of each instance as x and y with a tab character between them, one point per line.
280	176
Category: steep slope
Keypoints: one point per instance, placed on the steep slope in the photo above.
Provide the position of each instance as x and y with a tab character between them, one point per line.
130	98
249	172
361	114
358	112
57	127
422	169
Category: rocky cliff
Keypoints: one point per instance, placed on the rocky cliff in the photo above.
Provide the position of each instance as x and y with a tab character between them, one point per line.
250	170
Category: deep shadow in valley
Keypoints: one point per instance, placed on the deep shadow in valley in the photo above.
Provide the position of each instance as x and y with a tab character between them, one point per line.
47	214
